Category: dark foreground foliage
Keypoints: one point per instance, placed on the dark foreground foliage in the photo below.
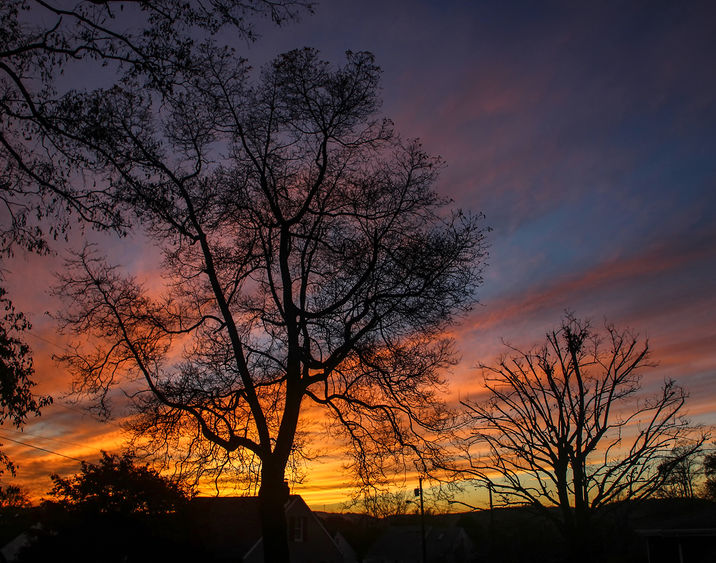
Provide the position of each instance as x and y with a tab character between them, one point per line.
117	485
84	536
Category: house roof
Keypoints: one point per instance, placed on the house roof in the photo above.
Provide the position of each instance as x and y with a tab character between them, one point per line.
230	526
227	526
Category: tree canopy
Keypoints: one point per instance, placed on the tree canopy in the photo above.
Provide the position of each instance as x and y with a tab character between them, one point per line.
13	496
17	401
709	468
114	510
116	484
681	470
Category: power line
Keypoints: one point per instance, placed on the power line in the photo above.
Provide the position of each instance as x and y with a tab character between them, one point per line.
41	449
47	340
41	437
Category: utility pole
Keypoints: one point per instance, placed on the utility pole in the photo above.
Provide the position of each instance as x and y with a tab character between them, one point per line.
419	492
491	532
489	490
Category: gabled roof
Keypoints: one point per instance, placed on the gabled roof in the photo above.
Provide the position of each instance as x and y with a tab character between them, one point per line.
230	527
227	526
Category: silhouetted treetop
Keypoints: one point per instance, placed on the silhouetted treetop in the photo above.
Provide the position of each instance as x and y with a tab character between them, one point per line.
116	484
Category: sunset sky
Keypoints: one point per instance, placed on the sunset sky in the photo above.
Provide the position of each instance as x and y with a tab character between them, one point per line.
584	131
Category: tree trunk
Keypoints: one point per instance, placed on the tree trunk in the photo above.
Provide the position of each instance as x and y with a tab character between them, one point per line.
273	496
583	539
560	471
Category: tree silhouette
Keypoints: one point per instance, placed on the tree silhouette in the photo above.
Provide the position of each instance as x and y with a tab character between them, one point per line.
313	263
564	425
382	503
12	496
681	469
16	399
113	510
709	467
116	484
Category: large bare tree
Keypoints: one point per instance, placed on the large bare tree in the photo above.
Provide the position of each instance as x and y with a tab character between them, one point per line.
565	425
307	259
682	469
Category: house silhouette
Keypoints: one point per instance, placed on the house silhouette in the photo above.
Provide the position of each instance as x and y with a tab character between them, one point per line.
229	529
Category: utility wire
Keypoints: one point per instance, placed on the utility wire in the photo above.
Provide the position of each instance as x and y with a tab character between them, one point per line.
41	449
41	437
63	348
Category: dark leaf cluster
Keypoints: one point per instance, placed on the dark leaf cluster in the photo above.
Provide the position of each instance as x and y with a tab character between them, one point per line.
117	484
17	400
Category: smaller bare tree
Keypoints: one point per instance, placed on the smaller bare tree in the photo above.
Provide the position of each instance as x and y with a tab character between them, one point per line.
382	503
682	471
709	469
564	425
